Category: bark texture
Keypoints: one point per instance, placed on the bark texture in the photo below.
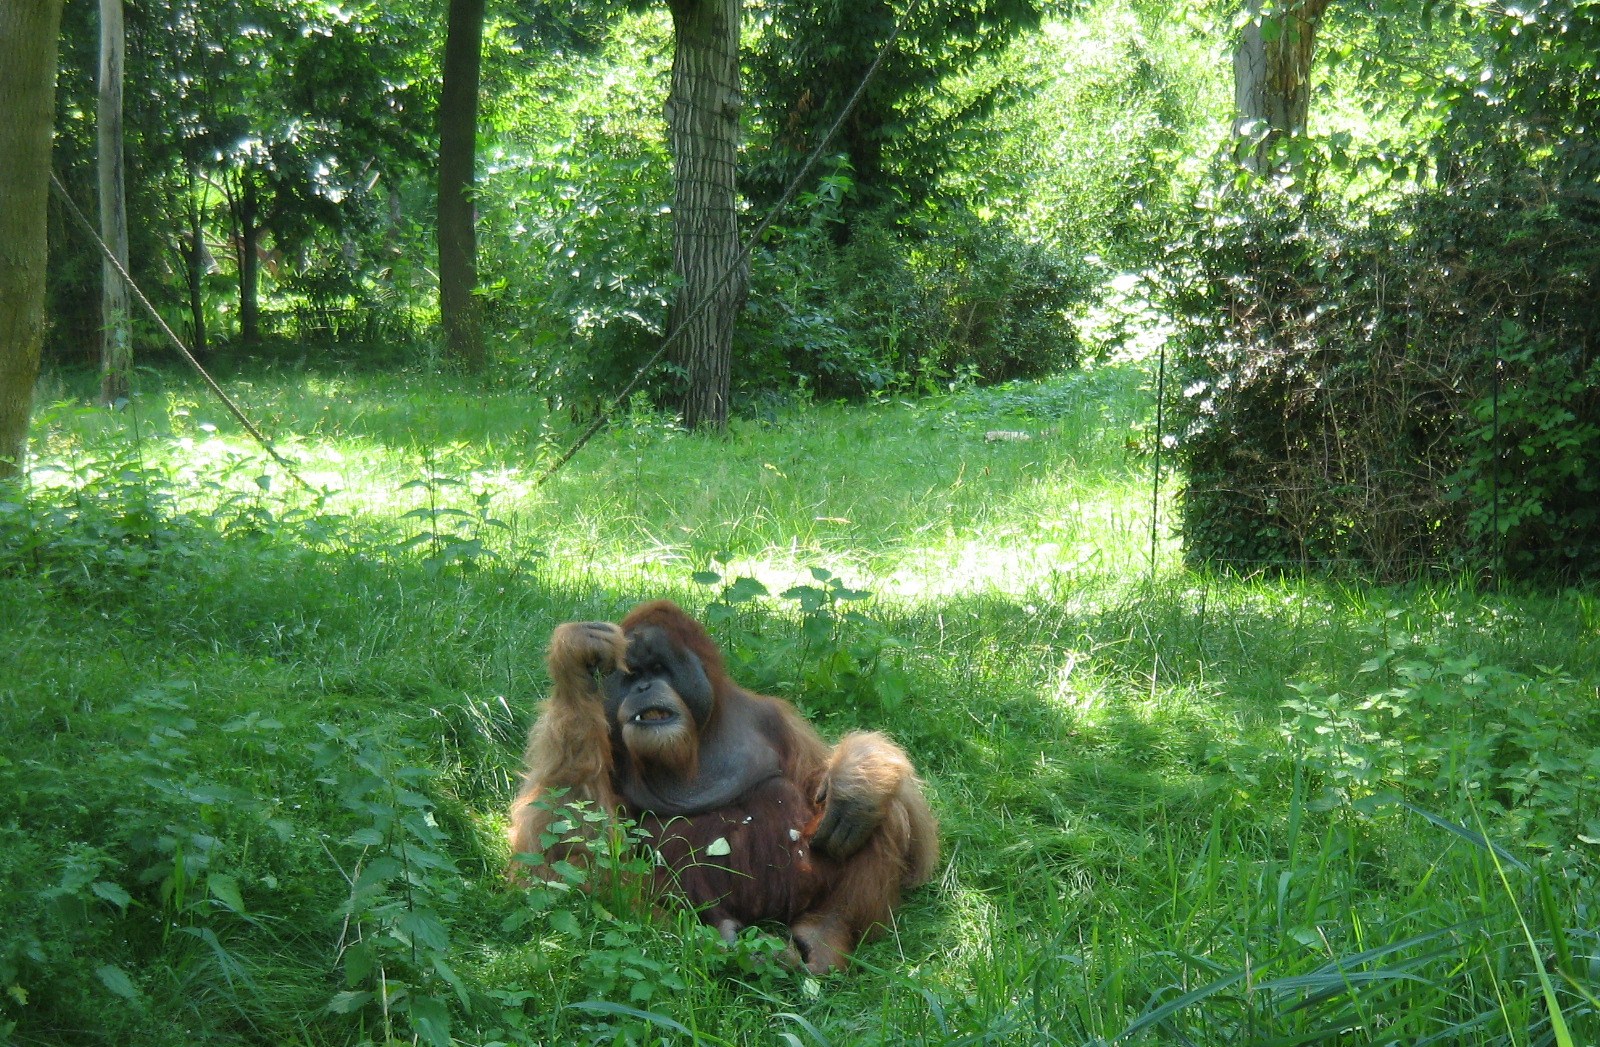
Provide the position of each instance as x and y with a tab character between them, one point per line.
458	152
1272	77
196	261
116	345
28	34
248	216
703	132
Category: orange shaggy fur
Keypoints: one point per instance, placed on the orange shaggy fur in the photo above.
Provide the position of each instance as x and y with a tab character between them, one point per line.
830	900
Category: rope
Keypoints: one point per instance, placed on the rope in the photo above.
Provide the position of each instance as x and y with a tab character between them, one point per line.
1494	474
743	257
233	408
1155	487
602	419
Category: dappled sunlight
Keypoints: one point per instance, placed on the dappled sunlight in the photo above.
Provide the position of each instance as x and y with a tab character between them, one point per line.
966	918
1082	698
1108	541
910	503
1245	647
1117	745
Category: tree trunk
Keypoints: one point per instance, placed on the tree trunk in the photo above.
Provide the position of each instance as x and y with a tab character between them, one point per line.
458	152
1272	78
28	34
249	259
703	132
116	344
195	263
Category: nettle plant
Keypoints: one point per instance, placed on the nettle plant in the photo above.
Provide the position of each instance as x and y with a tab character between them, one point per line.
166	862
606	935
1520	759
448	535
840	651
394	941
103	520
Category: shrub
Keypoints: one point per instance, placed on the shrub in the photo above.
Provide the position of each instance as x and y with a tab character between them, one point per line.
1418	390
578	261
955	298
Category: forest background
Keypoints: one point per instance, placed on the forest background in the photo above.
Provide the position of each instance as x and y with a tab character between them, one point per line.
1179	427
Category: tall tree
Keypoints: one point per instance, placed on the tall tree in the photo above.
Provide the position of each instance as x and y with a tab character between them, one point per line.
192	251
245	207
911	121
28	33
1272	77
703	106
278	121
116	344
458	154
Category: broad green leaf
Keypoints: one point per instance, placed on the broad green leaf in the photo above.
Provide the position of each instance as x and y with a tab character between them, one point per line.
225	889
111	892
117	980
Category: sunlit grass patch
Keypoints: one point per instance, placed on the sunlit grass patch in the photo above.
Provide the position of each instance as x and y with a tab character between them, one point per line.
1175	806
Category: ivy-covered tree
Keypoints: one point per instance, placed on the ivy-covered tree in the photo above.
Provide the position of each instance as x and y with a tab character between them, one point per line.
28	30
1440	404
458	155
1272	60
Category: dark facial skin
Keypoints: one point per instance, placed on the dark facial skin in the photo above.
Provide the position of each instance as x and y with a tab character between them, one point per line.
664	686
655	668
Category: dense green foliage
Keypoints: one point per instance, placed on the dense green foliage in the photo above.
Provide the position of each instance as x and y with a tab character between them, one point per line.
1107	114
916	120
577	260
260	741
260	744
1421	390
305	126
1390	358
576	263
323	110
963	300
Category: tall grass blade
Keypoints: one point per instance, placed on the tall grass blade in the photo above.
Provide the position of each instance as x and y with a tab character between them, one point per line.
623	1011
1462	831
1171	1007
1558	1022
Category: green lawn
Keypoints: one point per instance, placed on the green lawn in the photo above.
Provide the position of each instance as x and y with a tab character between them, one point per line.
258	745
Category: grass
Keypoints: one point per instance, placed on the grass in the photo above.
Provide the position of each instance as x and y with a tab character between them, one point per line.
258	746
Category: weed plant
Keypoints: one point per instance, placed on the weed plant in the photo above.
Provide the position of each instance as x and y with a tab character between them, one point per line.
258	743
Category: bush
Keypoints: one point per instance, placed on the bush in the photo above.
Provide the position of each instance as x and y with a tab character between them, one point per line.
1422	390
577	262
958	298
994	305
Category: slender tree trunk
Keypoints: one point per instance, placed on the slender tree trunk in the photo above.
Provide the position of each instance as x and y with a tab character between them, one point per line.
249	259
28	34
458	153
194	264
703	131
116	343
1272	78
391	234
